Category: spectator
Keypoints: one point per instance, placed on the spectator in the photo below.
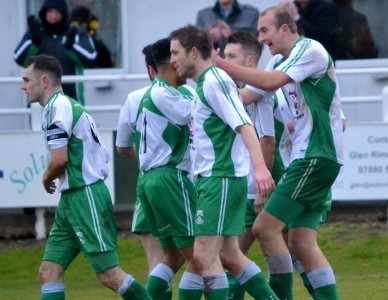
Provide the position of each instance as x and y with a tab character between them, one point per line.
354	37
318	20
82	16
84	219
225	18
51	34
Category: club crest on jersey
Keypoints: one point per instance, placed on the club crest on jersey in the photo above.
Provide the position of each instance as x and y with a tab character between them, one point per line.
199	218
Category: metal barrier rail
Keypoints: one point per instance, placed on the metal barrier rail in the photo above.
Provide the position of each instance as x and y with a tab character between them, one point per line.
87	78
138	77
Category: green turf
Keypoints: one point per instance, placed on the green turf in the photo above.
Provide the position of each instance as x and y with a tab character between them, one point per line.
359	258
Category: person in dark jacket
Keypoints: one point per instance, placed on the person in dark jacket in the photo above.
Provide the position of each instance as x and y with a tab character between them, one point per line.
318	20
355	39
227	17
50	33
82	16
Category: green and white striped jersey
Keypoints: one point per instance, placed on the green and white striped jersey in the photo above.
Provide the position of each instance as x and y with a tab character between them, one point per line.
283	147
129	111
218	149
314	99
163	123
66	122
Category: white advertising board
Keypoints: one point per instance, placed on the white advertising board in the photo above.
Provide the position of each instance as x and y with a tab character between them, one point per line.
364	175
23	159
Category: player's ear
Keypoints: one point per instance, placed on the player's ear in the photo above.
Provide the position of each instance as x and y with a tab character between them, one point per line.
194	53
250	60
45	80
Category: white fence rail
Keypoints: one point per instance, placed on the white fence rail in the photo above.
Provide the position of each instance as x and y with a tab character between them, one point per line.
140	77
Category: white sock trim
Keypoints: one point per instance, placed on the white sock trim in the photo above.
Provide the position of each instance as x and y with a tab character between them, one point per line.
163	271
279	264
125	285
298	267
321	277
191	281
52	287
248	272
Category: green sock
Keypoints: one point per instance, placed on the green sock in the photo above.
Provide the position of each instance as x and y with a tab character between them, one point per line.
189	294
307	284
136	292
53	291
253	281
323	282
258	287
302	273
216	294
236	291
53	296
158	288
327	292
190	286
281	284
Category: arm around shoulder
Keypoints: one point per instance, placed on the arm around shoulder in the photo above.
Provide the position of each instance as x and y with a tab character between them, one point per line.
265	80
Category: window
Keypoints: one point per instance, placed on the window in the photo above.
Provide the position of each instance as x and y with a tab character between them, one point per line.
108	13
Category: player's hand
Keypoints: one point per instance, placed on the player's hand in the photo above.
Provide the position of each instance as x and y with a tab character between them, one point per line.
33	24
224	29
215	34
49	186
215	56
264	182
290	127
260	202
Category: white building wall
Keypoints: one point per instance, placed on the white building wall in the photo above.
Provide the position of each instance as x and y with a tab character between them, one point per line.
144	21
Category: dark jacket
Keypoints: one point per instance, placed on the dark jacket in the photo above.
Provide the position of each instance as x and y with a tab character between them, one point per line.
242	18
319	20
355	39
72	46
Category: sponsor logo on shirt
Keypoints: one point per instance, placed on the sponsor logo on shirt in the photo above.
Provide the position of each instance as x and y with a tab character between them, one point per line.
54	132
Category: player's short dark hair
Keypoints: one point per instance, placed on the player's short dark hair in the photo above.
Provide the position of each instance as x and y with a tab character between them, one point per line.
161	52
149	58
248	41
48	64
191	36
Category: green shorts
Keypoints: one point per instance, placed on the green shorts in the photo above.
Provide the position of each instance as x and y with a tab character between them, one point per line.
302	193
84	220
168	200
139	222
250	213
221	206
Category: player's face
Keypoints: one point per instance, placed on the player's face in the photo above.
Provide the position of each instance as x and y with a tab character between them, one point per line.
53	16
269	34
181	60
32	85
235	54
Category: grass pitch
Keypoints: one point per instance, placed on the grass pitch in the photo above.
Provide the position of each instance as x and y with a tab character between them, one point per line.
357	252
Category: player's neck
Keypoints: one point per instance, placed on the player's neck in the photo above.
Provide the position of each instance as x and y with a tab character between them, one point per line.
48	94
200	67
